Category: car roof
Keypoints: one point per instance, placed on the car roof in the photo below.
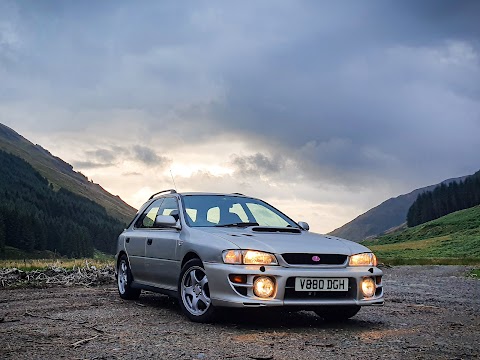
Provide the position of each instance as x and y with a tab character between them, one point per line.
172	192
209	193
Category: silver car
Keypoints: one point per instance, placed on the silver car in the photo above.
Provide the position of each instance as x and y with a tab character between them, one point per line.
230	250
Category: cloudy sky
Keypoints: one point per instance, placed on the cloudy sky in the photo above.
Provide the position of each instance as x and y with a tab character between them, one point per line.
323	108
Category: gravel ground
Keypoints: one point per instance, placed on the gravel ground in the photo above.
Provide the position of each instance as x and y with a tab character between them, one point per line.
431	312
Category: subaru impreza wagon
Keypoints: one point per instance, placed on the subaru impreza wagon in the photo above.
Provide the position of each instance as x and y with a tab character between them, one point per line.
230	250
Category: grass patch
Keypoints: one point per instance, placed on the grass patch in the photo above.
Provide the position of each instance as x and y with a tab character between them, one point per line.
475	273
420	245
41	260
42	264
101	256
429	261
451	240
14	253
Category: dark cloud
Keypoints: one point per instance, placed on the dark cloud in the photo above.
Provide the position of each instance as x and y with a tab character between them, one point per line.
257	164
114	155
103	155
148	156
83	165
345	90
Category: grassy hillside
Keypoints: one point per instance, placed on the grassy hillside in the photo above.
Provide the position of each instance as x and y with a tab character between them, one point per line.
61	174
35	217
454	238
391	213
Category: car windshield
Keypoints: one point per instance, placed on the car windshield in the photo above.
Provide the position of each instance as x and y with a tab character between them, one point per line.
229	210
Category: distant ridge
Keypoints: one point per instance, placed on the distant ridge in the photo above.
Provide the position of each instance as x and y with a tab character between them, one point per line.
62	175
392	213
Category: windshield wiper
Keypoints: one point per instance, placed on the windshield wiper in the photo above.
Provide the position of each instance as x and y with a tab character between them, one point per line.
239	224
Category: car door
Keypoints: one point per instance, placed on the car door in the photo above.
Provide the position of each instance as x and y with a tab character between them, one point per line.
136	240
161	263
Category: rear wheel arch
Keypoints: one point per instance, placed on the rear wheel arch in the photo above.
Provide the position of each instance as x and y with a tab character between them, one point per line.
119	257
125	279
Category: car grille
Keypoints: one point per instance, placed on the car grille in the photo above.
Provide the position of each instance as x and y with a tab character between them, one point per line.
291	294
307	259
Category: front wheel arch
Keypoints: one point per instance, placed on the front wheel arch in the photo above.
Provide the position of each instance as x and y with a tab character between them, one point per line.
194	292
189	256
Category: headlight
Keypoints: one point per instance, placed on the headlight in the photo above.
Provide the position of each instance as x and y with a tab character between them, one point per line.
248	257
364	259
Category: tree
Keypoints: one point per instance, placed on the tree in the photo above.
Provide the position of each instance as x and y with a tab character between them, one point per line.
443	200
2	235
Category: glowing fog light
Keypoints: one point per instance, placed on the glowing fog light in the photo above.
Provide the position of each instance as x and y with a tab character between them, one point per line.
368	287
263	287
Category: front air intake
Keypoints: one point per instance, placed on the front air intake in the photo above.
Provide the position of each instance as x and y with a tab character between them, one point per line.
314	259
272	229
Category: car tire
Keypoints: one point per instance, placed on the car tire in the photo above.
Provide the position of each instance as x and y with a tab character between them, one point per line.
337	313
194	292
124	280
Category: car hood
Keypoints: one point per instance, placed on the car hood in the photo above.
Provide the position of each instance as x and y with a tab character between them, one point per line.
279	242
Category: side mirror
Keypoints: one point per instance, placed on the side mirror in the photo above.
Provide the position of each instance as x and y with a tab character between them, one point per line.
166	221
304	225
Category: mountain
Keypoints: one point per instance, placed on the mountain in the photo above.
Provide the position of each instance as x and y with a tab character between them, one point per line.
389	214
35	217
61	174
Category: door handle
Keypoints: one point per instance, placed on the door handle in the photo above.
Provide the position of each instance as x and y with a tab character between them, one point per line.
127	240
180	242
149	241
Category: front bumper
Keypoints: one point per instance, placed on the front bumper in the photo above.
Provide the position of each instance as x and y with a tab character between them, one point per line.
224	292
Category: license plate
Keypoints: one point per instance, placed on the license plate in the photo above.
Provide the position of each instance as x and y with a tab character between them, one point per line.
321	284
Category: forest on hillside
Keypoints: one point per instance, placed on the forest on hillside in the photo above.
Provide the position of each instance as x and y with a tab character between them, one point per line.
35	217
445	199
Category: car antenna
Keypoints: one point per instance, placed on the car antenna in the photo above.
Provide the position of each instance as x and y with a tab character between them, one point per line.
175	186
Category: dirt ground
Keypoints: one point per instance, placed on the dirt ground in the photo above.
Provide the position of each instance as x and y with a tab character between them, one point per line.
431	312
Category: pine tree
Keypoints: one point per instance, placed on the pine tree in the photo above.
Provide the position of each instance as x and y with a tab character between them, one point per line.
34	217
2	234
443	200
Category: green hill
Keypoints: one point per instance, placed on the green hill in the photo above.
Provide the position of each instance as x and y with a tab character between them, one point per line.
454	238
61	174
34	217
444	200
392	213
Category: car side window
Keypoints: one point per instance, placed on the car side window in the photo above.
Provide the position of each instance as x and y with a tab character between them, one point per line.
169	207
147	219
